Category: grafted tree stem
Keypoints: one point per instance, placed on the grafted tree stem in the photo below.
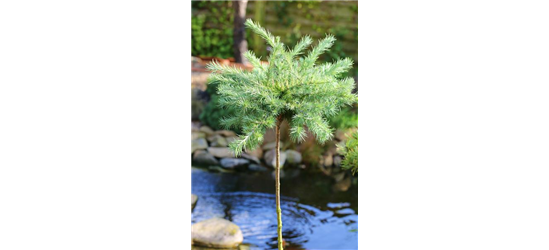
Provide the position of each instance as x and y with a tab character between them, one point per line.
277	173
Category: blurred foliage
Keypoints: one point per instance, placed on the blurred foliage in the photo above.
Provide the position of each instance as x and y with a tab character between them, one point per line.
288	11
212	28
346	118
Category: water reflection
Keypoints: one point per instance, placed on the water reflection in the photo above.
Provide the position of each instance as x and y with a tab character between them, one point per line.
239	198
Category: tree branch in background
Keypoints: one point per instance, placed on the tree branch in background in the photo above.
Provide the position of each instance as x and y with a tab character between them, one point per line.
240	45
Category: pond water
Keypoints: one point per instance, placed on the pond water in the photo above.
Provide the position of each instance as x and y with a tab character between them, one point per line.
314	216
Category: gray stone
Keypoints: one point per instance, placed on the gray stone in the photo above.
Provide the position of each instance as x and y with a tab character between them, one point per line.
270	158
195	61
343	185
250	157
293	157
221	152
341	135
196	135
257	168
195	126
226	133
258	152
328	160
269	146
194	199
269	136
203	158
207	130
217	141
332	149
231	139
216	233
337	160
197	144
231	163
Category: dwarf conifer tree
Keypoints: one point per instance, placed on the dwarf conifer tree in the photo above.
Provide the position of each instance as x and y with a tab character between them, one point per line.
292	87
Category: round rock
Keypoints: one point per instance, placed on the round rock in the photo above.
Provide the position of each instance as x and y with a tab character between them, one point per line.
232	163
203	158
194	199
221	152
293	157
217	233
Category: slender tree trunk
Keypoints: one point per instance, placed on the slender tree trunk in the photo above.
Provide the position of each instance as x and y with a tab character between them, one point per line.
239	34
277	171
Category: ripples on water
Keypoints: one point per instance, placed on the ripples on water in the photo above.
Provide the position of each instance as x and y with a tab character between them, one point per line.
304	226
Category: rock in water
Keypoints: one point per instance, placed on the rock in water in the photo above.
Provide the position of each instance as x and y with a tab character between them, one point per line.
217	233
270	158
345	211
342	185
203	158
221	152
194	199
293	157
232	163
197	144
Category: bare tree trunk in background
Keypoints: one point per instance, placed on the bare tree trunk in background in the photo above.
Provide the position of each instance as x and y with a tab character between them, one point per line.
239	34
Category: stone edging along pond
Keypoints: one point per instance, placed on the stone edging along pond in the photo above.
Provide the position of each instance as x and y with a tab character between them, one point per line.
210	149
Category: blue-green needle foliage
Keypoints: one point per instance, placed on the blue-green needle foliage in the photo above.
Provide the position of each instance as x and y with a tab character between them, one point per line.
350	153
291	86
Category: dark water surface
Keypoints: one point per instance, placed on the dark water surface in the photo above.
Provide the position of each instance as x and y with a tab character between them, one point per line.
313	215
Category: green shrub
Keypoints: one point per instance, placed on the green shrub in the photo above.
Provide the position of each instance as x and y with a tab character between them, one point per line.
212	114
350	153
346	118
212	29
